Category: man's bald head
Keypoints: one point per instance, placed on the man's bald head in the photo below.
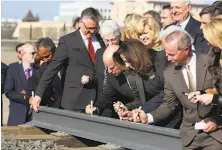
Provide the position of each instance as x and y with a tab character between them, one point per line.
108	54
108	60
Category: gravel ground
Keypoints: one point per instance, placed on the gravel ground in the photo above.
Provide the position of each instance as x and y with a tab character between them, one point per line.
27	145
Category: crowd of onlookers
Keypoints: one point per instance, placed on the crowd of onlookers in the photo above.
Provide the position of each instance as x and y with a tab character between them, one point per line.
163	69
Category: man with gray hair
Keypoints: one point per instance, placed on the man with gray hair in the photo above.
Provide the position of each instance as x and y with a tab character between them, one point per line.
187	73
181	14
77	51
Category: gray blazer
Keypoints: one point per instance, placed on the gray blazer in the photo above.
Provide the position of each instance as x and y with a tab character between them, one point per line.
173	99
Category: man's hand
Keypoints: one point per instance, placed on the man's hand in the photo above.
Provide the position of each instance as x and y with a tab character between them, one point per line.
23	92
205	99
126	115
30	100
85	79
210	126
35	103
139	116
192	96
119	107
89	109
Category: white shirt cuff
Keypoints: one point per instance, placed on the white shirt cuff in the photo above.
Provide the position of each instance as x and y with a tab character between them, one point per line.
150	118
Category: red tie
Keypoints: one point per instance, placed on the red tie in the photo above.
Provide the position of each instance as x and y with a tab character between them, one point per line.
91	50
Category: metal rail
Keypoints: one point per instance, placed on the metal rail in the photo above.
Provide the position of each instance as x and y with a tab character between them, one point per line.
126	134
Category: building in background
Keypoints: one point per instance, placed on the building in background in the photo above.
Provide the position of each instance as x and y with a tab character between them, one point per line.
33	29
70	10
121	8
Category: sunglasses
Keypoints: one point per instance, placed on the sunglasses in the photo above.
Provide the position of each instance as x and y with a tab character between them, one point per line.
45	57
117	56
33	53
90	28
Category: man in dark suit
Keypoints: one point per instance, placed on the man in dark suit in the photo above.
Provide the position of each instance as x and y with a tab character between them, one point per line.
188	72
117	87
78	50
181	14
15	85
4	68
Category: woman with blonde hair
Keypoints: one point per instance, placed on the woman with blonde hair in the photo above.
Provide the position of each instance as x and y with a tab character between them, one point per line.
130	26
213	34
148	31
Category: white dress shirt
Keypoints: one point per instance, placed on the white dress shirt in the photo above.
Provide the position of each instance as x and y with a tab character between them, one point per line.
192	64
95	42
31	69
184	23
183	26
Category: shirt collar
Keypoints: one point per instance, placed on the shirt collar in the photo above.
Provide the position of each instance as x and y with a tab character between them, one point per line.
192	60
185	22
31	67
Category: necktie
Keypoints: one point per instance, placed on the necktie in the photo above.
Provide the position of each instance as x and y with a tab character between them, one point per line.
192	85
91	50
27	73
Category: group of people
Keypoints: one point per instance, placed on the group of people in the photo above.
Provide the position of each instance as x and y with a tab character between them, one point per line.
163	70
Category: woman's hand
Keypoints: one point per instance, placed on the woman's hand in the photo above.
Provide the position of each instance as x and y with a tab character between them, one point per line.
205	99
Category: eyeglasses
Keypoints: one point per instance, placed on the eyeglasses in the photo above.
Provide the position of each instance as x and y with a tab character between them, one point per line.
33	53
116	55
110	40
45	57
90	28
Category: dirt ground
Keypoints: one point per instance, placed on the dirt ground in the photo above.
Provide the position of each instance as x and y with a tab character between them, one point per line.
7	57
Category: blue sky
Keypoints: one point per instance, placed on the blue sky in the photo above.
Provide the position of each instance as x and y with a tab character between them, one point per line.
46	10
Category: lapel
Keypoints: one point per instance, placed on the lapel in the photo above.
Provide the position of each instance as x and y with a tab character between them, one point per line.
22	73
178	72
201	69
81	45
189	27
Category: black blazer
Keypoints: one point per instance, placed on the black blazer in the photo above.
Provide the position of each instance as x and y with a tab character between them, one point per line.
53	95
71	49
14	84
193	28
117	86
4	68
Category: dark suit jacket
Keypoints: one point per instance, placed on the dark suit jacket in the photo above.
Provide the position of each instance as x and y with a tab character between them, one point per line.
100	68
173	88
53	95
71	49
117	89
14	84
4	68
193	28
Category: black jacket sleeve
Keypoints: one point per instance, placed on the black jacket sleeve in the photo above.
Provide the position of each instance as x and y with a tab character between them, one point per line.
4	68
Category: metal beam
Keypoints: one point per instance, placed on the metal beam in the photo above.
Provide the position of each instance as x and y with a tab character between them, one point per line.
126	134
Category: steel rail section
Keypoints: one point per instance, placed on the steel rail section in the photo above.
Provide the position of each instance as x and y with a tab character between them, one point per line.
126	134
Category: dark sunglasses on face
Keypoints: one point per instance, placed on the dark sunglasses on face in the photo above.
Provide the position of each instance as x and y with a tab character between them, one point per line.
45	57
33	53
90	28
